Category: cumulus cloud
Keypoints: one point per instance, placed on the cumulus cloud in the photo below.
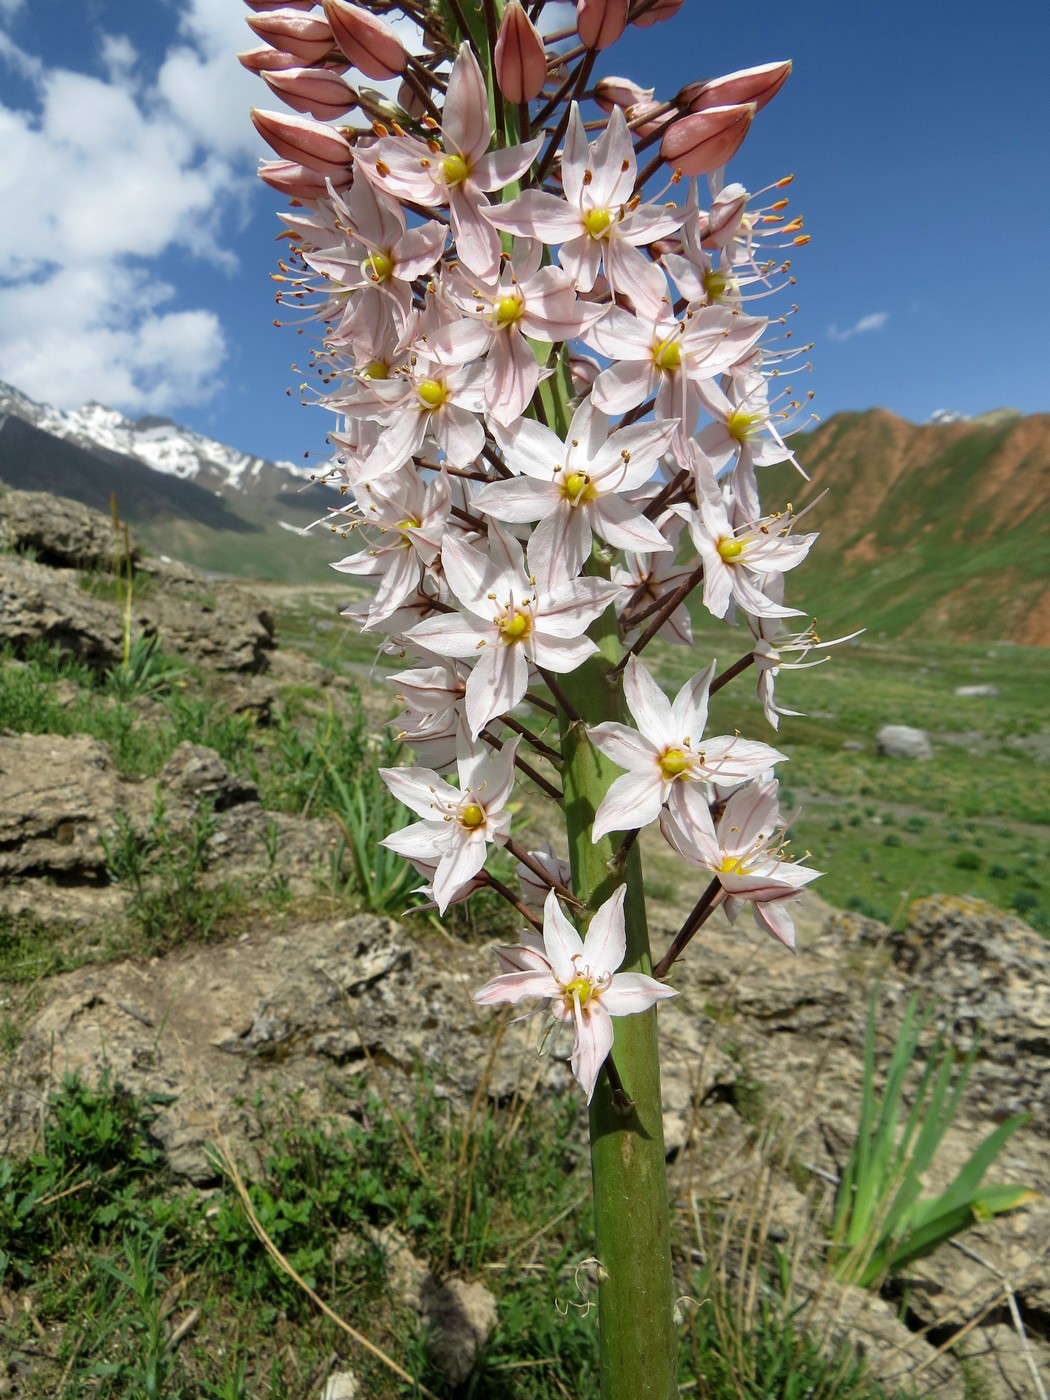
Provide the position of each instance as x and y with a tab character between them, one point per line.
872	322
103	178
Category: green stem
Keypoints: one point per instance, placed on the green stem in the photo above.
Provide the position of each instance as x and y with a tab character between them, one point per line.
635	1291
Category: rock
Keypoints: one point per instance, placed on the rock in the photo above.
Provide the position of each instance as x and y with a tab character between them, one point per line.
867	1325
902	741
854	745
461	1318
219	626
58	797
59	532
340	1385
998	990
990	692
38	604
195	773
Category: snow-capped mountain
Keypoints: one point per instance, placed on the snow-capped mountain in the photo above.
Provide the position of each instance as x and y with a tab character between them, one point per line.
948	415
157	442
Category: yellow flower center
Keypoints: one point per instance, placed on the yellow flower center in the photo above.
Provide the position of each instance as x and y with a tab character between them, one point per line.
515	626
667	355
376	370
508	310
410	523
674	763
471	816
732	865
740	425
715	284
377	267
455	170
596	221
583	988
730	549
431	393
577	489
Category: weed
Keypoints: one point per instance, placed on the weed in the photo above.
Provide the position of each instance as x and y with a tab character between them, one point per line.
882	1221
164	867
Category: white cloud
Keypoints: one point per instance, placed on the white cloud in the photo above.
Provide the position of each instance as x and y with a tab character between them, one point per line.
873	322
102	178
118	56
101	333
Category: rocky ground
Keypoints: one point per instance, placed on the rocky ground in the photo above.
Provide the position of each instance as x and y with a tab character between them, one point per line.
763	1051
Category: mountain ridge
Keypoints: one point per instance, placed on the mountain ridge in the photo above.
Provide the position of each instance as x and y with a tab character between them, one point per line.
938	527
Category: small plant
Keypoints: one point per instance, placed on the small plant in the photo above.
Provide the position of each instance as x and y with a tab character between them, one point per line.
163	867
366	811
144	671
882	1223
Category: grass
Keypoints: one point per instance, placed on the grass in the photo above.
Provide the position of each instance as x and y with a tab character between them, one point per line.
131	1285
974	820
116	1259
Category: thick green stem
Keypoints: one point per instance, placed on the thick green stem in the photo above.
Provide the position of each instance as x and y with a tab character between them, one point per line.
635	1289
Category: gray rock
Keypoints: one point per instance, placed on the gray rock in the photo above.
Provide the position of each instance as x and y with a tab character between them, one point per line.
40	604
990	692
461	1318
217	625
59	532
902	741
58	797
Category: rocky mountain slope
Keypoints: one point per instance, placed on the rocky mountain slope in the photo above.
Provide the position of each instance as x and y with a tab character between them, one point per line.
187	496
939	529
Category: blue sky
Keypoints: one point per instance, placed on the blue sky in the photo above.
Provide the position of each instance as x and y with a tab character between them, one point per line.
138	242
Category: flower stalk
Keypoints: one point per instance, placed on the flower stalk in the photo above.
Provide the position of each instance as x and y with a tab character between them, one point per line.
551	404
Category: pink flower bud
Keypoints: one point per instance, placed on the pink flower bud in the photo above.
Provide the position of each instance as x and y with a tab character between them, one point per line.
718	227
297	182
267	60
704	141
584	372
293	31
656	14
262	6
306	142
316	91
521	60
619	92
600	23
409	100
642	124
368	42
758	85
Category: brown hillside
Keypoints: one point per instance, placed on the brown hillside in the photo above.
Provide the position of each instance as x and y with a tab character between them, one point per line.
953	518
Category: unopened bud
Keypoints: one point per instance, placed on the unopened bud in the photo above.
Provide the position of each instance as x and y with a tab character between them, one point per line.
718	228
704	141
315	91
600	23
294	31
410	102
584	372
656	14
619	92
521	60
368	42
267	60
644	124
758	85
262	6
298	182
305	142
